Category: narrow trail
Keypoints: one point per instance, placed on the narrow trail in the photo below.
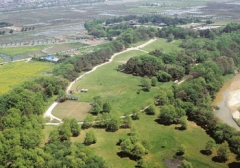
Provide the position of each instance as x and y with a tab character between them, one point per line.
48	113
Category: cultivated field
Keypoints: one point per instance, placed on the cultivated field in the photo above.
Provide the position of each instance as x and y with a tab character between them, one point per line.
15	73
77	110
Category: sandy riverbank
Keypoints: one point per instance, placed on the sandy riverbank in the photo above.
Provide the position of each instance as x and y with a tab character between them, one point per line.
233	100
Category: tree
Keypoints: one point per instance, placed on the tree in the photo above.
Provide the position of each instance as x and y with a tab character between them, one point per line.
151	110
75	128
126	146
11	31
113	123
145	84
153	81
90	138
138	150
88	121
184	123
223	152
96	109
64	131
127	122
168	114
107	107
170	38
209	146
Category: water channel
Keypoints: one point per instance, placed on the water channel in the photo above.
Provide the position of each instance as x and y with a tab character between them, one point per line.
221	100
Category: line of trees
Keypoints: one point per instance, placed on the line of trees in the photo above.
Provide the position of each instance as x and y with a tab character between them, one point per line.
5	24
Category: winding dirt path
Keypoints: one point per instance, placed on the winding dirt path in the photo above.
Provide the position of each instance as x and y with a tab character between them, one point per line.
48	113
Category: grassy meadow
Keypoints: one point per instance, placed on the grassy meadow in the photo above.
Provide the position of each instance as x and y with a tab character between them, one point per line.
164	142
21	50
116	87
164	46
15	73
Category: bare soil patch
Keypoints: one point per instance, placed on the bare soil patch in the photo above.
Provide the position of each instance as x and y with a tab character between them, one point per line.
77	110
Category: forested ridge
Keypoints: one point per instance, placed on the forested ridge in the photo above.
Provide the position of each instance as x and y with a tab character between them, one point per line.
206	57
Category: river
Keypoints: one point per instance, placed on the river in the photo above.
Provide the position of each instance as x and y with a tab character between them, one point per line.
222	101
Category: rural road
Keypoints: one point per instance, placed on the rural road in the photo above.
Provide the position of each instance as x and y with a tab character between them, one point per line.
48	113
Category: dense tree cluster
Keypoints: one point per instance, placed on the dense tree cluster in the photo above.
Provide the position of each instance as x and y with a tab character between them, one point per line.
133	147
5	24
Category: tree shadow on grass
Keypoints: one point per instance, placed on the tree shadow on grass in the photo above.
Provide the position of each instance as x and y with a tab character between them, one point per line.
234	165
122	154
180	128
206	152
219	159
159	121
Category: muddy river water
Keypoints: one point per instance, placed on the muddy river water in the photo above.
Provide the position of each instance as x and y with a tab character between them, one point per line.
227	99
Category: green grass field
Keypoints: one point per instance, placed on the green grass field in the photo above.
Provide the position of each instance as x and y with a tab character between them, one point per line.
118	88
164	46
21	50
194	138
13	74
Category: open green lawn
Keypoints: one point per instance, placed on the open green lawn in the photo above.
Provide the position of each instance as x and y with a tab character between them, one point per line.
15	73
163	45
21	50
194	138
116	87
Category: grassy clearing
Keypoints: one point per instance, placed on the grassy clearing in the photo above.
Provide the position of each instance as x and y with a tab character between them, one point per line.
116	87
21	50
194	138
47	130
13	74
77	110
164	46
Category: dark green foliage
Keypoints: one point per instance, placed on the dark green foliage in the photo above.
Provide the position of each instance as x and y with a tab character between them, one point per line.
107	107
153	81
144	65
151	110
223	152
5	24
145	84
209	146
133	147
88	121
90	138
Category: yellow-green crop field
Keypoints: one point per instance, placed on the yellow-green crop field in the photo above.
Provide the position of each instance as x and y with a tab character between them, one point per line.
15	73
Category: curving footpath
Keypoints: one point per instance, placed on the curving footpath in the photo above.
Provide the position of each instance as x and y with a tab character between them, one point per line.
48	113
